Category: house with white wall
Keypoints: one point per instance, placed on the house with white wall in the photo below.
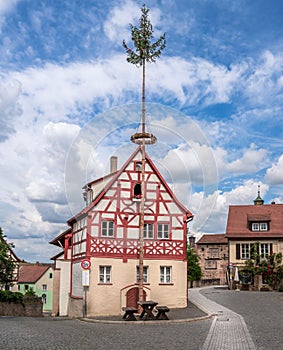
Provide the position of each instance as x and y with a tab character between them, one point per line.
105	235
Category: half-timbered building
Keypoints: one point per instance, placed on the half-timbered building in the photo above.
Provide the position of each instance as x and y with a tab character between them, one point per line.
100	258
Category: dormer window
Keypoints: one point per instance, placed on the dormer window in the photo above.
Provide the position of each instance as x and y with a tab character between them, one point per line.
259	226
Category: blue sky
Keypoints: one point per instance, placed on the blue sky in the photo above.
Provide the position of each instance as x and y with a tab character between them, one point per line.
69	100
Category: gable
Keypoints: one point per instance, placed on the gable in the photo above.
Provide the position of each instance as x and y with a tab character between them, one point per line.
31	273
127	177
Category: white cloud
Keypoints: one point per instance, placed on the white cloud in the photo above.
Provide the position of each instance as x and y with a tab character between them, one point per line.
253	159
63	90
192	163
264	82
119	19
274	175
7	6
211	210
194	80
9	107
117	25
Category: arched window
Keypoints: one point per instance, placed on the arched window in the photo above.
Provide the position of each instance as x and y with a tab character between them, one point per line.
138	166
137	191
43	298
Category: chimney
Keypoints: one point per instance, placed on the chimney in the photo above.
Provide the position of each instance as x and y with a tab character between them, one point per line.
192	241
113	164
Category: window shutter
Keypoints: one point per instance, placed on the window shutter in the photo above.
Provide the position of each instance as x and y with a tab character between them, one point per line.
238	251
270	249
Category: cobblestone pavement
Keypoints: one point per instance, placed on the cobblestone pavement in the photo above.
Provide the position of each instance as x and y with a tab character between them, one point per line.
262	312
48	333
258	314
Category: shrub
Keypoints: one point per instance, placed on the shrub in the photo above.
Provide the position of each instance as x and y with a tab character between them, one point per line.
11	297
280	289
30	292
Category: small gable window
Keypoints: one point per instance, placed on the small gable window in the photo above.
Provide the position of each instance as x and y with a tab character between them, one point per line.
138	166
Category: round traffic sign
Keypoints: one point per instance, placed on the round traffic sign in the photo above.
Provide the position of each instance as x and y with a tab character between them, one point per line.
85	264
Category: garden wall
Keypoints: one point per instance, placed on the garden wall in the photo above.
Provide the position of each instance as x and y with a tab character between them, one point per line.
31	307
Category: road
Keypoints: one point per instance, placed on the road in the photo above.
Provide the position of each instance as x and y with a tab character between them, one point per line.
262	312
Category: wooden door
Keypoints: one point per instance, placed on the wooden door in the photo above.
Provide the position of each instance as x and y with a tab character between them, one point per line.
132	297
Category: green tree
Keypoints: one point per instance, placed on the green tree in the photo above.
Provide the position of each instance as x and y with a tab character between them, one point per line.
194	269
270	267
145	50
7	265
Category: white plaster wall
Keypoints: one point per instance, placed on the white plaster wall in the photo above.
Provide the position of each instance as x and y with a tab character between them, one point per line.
64	266
77	288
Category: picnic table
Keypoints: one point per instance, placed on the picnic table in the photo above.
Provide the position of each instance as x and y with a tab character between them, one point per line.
147	309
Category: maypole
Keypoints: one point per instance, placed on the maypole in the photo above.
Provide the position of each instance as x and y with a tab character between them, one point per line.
145	51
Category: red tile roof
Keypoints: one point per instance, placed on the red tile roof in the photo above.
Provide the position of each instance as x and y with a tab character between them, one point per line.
213	239
240	215
31	273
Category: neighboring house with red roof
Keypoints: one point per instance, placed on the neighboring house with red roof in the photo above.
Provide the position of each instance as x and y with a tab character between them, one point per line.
213	252
38	277
106	233
248	224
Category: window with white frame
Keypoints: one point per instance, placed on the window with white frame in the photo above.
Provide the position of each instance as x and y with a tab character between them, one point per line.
255	226
104	274
165	274
44	287
145	274
107	228
148	230
163	231
259	226
264	251
245	251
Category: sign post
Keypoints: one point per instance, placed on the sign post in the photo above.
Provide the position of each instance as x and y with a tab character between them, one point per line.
85	265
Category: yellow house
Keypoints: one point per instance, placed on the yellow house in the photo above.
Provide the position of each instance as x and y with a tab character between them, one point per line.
249	224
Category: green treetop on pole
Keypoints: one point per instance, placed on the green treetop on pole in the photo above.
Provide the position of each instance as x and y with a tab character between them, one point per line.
144	51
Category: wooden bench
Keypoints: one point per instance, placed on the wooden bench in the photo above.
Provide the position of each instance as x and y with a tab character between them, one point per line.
161	312
129	313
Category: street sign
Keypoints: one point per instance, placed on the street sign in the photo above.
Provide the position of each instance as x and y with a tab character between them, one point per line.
85	278
85	264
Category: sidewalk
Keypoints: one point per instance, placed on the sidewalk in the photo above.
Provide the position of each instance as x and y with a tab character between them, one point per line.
228	330
188	314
